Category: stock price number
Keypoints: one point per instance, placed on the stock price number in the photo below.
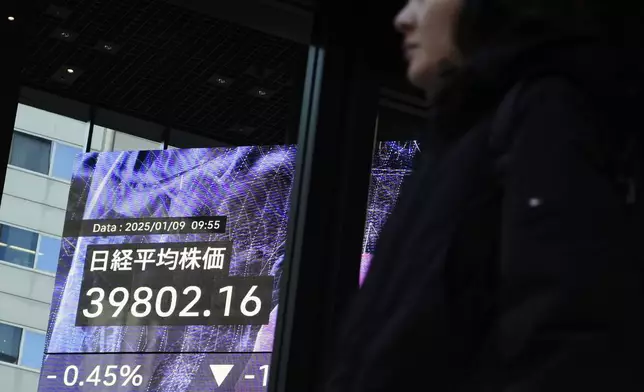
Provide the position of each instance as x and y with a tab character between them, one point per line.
245	301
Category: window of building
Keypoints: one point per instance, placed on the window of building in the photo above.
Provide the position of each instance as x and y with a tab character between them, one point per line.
18	246
63	162
29	249
30	152
10	343
29	354
48	252
43	156
33	349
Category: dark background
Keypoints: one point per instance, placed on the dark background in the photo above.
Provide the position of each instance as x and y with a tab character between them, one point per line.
217	70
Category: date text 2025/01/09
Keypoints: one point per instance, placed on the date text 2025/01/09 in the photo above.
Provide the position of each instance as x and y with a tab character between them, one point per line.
145	226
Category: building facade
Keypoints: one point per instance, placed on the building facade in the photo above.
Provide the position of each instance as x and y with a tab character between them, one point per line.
43	150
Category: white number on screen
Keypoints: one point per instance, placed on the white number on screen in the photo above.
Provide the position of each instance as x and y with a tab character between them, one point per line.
111	375
173	301
229	297
142	301
70	369
93	376
186	311
248	298
119	305
251	298
265	370
164	305
97	302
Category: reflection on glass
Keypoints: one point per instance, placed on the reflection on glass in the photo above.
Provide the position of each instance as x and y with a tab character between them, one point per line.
48	252
30	152
63	163
18	246
9	343
33	349
392	163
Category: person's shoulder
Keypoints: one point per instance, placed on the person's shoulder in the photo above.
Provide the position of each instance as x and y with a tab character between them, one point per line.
537	103
550	91
545	108
554	105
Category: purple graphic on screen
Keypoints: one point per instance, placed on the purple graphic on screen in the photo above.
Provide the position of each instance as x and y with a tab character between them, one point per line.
392	163
251	186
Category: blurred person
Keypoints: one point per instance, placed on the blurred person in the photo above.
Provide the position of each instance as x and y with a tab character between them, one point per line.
511	262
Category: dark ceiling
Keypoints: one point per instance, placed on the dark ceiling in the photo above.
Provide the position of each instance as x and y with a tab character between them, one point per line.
164	63
172	63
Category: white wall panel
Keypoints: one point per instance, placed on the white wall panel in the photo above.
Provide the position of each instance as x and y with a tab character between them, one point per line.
32	215
15	379
26	283
51	126
36	187
24	312
126	142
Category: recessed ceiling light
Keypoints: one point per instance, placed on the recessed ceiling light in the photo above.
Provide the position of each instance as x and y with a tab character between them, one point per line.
220	80
67	74
261	92
64	35
11	18
107	47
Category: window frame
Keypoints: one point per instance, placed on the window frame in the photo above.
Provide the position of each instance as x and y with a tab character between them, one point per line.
22	343
54	150
52	154
30	134
53	147
19	346
40	235
36	263
2	223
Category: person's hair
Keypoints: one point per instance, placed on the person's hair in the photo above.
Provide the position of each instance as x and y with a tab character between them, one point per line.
486	22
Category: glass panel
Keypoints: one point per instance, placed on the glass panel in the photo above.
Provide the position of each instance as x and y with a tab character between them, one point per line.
63	163
33	349
9	343
30	152
392	163
48	253
18	246
228	95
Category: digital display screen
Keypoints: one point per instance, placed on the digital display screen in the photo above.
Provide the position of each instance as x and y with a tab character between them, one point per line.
168	277
392	163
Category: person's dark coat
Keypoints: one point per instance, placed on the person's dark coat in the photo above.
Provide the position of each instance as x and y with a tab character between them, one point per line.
509	263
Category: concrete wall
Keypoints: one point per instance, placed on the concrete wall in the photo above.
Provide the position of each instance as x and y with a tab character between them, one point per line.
25	296
51	126
125	142
34	201
18	379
